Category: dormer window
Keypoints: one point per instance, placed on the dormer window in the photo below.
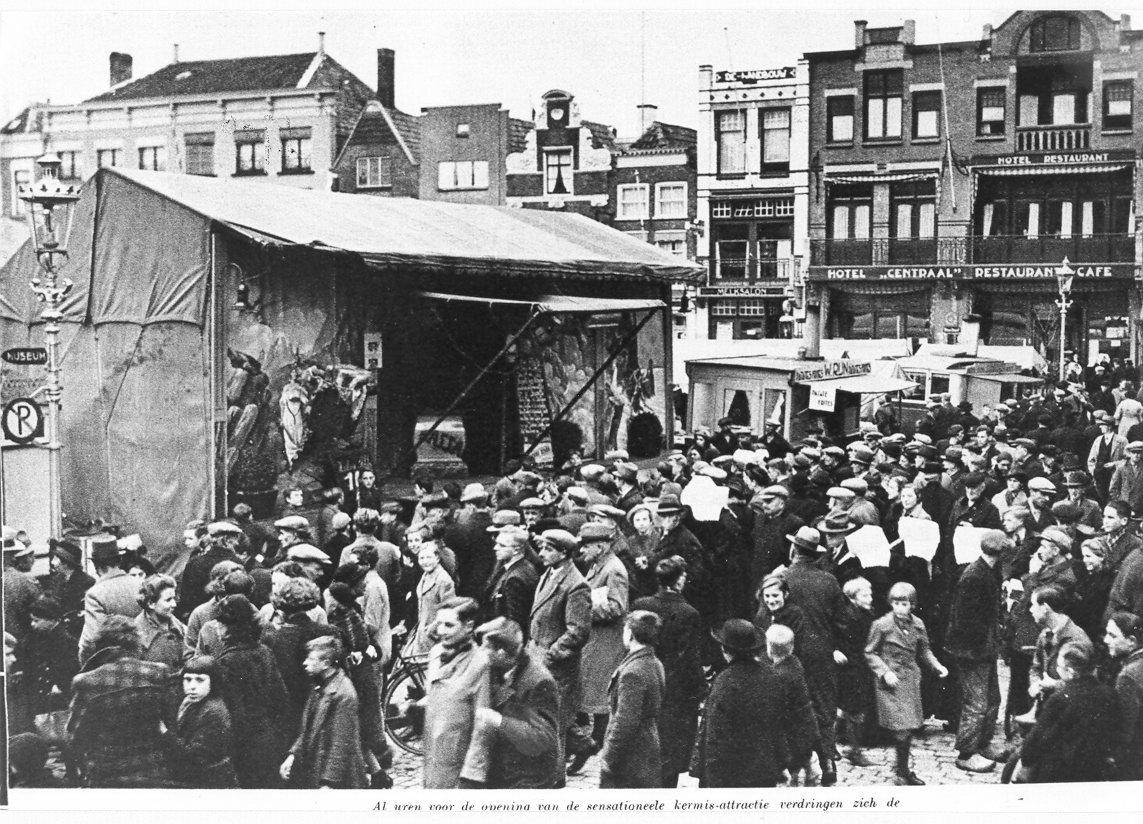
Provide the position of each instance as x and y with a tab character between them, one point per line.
1055	33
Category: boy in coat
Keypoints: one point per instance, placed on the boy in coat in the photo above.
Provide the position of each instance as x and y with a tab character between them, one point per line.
327	752
802	736
631	755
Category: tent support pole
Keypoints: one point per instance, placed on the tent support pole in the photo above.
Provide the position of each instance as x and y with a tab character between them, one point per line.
612	355
471	385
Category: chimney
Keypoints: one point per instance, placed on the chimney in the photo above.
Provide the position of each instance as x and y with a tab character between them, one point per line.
176	60
909	32
386	85
1125	22
859	33
646	113
120	68
321	42
987	34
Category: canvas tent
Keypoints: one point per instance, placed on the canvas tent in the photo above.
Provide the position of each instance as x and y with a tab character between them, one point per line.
152	338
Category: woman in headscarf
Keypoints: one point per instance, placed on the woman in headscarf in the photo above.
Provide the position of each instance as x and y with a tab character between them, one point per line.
254	694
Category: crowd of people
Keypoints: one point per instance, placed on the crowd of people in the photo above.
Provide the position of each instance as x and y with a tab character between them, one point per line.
607	610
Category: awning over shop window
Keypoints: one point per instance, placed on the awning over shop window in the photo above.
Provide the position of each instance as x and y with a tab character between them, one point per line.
863	384
1052	169
558	304
900	177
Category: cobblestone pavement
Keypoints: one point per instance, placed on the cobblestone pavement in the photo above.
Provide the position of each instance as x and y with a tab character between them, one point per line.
934	762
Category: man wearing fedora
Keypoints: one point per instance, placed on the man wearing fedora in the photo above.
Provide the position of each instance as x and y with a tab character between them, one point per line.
837	559
678	540
742	742
819	596
113	593
67	582
20	588
1077	484
560	624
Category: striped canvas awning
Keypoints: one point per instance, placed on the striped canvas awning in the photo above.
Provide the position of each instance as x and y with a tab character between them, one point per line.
897	177
1053	169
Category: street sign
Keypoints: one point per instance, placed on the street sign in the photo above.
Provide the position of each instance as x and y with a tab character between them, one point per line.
21	420
26	355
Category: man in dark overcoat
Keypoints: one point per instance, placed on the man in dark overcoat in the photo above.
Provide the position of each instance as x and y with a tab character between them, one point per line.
510	591
743	737
519	729
560	627
631	755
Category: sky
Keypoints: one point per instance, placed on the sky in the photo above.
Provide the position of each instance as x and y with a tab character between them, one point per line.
611	56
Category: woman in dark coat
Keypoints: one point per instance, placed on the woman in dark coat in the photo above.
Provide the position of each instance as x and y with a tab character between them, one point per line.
1124	639
642	542
1075	732
1093	586
854	679
678	650
743	737
293	600
67	582
254	693
630	756
202	758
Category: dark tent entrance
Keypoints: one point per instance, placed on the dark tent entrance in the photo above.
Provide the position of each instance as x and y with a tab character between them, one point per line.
546	377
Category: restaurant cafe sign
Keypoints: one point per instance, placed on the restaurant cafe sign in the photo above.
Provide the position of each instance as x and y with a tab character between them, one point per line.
981	271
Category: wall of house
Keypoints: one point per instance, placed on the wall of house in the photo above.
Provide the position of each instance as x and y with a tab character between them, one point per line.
486	140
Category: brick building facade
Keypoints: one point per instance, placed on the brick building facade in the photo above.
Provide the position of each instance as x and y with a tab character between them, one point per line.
951	183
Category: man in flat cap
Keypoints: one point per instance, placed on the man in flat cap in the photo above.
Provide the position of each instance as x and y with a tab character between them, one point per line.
223	538
113	593
1041	494
1127	479
1024	459
772	523
560	624
1105	453
860	511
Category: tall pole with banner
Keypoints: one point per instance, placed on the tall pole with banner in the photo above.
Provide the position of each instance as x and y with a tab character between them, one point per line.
50	206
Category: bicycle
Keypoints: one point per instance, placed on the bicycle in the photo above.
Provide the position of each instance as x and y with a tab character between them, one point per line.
404	715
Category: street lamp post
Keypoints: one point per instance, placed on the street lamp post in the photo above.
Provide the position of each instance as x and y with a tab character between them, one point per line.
50	207
1065	274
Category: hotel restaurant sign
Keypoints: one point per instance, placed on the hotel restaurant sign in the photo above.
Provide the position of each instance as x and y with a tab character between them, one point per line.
980	271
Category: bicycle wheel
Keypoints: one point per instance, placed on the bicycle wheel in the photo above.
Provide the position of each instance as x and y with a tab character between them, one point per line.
404	719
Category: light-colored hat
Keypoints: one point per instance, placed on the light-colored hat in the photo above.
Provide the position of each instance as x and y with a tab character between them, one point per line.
575	493
561	539
230	528
294	523
306	553
1041	484
617	455
744	457
806	538
841	492
1135	446
775	491
856	485
591	472
607	511
591	532
473	492
1057	536
504	518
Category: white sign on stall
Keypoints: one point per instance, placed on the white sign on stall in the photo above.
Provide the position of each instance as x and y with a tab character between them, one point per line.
822	398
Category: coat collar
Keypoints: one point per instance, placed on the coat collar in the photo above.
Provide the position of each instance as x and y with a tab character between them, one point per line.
548	591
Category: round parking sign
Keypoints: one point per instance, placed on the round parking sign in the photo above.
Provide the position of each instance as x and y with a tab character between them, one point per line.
21	420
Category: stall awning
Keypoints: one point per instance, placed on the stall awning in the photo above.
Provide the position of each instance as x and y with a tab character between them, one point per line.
873	177
863	384
1008	377
558	304
1053	169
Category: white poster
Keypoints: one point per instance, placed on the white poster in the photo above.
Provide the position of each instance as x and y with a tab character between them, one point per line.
822	398
921	537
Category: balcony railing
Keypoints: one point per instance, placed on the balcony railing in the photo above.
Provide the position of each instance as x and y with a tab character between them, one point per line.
833	252
913	250
1085	249
1052	138
739	269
